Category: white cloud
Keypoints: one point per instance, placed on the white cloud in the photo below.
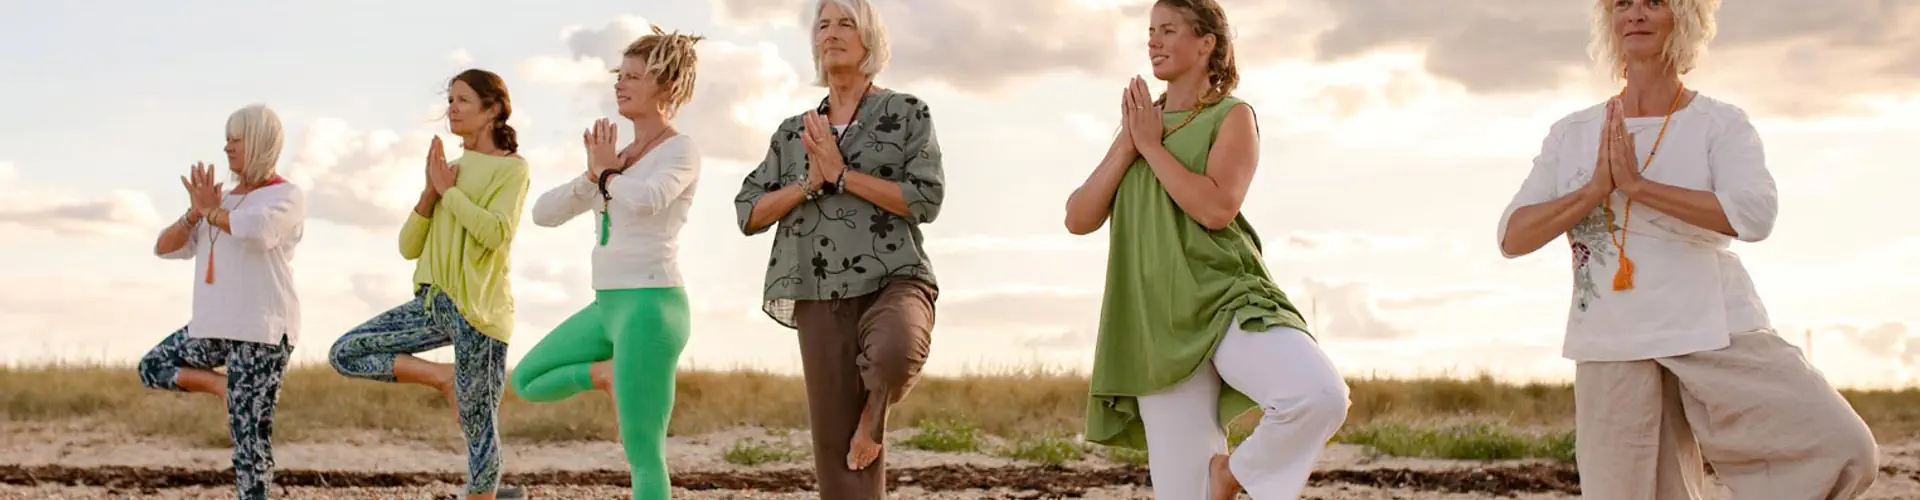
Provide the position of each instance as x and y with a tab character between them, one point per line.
982	46
362	178
110	212
741	93
1346	311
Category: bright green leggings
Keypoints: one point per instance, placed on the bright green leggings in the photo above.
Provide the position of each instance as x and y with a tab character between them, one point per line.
643	330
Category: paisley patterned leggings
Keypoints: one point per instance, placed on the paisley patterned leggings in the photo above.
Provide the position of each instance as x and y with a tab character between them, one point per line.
254	374
431	321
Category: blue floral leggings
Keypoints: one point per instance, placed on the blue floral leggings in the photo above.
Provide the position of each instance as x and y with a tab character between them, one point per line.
431	321
254	374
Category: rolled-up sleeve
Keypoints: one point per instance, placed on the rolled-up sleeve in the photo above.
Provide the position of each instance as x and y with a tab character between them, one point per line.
762	180
925	185
1537	188
1741	181
271	224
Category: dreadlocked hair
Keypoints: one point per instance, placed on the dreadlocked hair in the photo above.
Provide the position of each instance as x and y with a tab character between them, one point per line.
1206	17
671	59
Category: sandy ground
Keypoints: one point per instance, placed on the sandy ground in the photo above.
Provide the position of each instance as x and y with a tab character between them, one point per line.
85	445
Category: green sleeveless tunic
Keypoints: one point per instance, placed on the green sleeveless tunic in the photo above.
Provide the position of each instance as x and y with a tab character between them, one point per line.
1173	287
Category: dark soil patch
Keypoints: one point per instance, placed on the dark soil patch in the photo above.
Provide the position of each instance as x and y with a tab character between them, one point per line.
1038	481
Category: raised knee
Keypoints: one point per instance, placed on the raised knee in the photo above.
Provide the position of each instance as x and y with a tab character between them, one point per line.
1859	450
893	367
152	369
519	380
1326	406
342	358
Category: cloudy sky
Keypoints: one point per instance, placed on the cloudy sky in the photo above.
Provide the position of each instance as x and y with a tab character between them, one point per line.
1394	132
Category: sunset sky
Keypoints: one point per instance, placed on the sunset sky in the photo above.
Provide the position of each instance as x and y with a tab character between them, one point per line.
1393	134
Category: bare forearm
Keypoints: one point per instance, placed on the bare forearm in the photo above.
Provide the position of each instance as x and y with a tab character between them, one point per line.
173	237
220	218
1090	204
1699	208
1196	194
880	192
428	200
1533	226
774	206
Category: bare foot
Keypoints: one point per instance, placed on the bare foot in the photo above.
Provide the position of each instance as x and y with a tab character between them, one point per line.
446	391
602	373
863	449
1225	486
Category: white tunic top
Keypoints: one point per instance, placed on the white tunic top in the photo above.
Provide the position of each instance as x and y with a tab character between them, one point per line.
1690	291
650	204
252	296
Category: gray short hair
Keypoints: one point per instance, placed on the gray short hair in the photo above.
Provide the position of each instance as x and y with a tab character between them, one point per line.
258	128
1693	27
873	33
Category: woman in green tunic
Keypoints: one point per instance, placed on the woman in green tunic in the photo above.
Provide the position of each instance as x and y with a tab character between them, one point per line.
1193	331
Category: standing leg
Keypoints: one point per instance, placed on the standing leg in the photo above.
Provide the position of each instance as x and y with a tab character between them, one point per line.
480	372
896	334
561	365
1304	402
1183	430
1630	436
650	329
1771	424
254	375
829	344
176	364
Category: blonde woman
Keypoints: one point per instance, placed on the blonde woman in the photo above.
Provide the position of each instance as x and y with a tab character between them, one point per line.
850	183
1193	330
628	341
246	312
1676	359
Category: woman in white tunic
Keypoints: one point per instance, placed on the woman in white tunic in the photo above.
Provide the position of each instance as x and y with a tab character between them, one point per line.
246	313
1676	359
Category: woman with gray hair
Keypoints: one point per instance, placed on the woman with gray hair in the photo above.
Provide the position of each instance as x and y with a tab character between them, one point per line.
850	183
1680	362
246	314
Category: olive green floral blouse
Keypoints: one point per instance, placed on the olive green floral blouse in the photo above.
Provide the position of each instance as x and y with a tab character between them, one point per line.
842	246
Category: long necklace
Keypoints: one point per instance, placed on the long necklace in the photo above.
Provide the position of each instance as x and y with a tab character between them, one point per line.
213	233
1623	278
606	197
1197	108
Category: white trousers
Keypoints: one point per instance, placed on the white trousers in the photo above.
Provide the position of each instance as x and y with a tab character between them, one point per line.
1283	370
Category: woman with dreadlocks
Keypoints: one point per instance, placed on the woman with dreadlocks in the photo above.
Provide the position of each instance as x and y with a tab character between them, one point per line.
628	341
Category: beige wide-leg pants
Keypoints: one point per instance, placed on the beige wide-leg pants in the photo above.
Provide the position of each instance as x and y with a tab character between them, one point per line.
1768	421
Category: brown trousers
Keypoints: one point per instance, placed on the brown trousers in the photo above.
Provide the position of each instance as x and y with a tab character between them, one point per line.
851	348
1768	421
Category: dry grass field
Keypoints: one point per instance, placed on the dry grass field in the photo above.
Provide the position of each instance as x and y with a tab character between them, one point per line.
1011	417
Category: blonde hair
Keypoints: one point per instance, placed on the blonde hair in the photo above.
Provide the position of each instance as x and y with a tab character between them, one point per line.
258	128
873	35
671	60
1693	27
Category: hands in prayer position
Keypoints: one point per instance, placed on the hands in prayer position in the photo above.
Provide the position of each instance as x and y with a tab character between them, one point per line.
1140	117
824	163
440	174
202	191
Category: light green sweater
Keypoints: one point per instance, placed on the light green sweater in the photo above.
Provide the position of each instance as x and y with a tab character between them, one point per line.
465	249
1172	289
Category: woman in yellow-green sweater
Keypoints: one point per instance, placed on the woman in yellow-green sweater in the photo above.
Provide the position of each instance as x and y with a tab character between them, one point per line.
461	233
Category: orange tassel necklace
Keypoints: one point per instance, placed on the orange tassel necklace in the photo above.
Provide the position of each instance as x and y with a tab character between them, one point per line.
1623	278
